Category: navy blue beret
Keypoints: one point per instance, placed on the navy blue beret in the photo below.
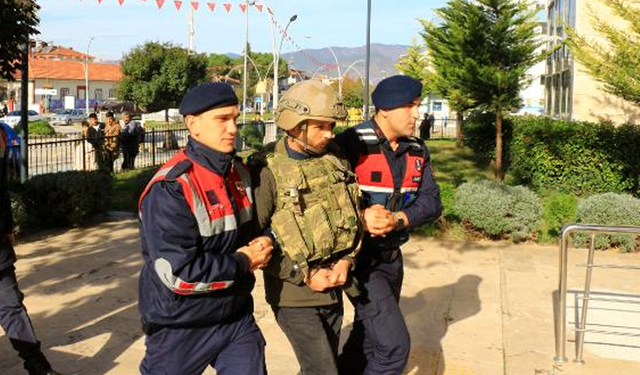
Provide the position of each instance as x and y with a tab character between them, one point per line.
396	91
207	96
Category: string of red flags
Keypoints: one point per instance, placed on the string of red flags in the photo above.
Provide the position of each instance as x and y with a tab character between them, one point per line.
244	7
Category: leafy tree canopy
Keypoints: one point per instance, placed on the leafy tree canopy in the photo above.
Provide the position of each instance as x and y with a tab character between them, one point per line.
18	20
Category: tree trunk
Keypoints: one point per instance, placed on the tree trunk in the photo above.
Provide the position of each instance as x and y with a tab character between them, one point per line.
166	116
459	138
498	168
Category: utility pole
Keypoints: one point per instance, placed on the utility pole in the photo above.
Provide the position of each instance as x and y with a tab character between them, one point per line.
24	112
368	62
191	32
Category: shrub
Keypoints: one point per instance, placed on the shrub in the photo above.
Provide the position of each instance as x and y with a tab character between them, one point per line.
609	209
498	209
19	212
40	127
574	157
559	209
64	198
448	197
479	132
251	136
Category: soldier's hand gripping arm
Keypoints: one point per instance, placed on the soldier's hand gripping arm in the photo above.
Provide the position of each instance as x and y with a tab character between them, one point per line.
377	220
258	251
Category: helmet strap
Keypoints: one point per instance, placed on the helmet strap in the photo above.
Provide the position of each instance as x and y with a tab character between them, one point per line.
303	142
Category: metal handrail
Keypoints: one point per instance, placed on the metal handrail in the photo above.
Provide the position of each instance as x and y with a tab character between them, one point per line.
561	331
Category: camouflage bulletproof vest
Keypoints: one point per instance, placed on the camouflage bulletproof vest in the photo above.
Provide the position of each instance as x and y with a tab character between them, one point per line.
316	216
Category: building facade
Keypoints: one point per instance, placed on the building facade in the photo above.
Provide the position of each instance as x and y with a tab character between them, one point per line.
570	92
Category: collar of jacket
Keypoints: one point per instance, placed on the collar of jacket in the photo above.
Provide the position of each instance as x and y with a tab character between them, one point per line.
215	161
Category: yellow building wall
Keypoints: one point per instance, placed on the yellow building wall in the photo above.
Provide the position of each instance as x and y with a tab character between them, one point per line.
590	101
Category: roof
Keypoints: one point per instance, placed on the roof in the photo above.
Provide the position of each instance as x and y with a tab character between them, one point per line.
73	70
60	53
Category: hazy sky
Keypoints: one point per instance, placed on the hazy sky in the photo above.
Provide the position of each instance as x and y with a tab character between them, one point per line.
321	23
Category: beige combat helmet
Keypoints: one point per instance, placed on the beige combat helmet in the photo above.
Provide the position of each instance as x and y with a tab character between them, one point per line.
309	100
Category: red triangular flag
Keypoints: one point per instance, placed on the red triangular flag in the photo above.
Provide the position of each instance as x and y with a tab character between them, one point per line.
259	7
160	3
178	4
121	2
227	6
195	4
99	1
211	6
243	7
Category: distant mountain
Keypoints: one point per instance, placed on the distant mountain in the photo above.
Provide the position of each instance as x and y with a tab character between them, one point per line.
383	60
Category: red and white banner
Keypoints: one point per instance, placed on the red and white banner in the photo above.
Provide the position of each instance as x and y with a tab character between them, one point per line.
194	5
227	6
160	3
178	4
211	6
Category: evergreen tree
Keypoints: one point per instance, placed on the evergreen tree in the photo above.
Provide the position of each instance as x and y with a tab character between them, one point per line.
414	62
489	46
450	43
18	20
615	64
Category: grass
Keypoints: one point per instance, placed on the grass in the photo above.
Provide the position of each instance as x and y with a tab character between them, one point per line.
127	187
456	165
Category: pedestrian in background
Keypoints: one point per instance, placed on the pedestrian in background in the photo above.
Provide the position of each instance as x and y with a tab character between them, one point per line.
132	134
112	133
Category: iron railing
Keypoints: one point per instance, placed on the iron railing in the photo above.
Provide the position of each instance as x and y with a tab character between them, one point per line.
561	312
71	151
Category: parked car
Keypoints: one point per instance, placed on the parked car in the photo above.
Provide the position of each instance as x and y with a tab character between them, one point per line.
68	117
14	147
13	118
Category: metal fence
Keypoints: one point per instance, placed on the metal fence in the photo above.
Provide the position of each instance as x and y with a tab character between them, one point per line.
70	151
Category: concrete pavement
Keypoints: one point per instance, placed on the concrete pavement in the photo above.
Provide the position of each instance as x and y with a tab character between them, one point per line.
473	308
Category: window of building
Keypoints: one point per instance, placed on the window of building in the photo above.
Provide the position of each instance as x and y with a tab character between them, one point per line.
436	106
98	94
112	93
64	92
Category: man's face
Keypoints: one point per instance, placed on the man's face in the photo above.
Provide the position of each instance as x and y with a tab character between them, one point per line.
215	128
111	120
402	120
126	119
319	133
93	121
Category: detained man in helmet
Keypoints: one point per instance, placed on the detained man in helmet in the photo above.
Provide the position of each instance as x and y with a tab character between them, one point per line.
307	199
394	174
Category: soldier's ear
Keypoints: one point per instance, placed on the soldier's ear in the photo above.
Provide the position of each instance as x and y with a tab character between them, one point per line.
192	124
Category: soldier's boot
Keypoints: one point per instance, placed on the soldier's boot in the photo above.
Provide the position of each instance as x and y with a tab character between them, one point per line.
34	360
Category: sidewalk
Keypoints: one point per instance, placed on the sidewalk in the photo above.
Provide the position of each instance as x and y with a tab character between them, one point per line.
473	308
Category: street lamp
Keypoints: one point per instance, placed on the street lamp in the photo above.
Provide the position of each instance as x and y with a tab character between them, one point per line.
276	58
246	53
86	77
335	58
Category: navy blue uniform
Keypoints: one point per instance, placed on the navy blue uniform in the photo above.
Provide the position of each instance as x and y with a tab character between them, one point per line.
195	290
400	180
13	314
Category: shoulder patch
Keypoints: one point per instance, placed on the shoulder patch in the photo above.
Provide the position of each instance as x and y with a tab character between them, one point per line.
178	170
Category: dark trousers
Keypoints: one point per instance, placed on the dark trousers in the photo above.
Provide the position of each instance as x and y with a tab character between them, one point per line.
314	334
17	325
235	348
379	342
129	158
110	158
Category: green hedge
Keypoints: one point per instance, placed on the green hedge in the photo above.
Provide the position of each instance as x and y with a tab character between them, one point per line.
610	209
499	210
559	210
575	157
65	198
40	127
479	131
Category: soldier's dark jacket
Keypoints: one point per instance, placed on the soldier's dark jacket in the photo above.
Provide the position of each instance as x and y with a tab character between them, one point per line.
7	254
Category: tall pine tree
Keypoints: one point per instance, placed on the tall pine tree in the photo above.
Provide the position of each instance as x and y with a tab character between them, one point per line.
483	50
615	63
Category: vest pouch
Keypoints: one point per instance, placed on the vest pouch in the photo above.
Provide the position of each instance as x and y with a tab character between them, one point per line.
289	234
346	218
319	227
